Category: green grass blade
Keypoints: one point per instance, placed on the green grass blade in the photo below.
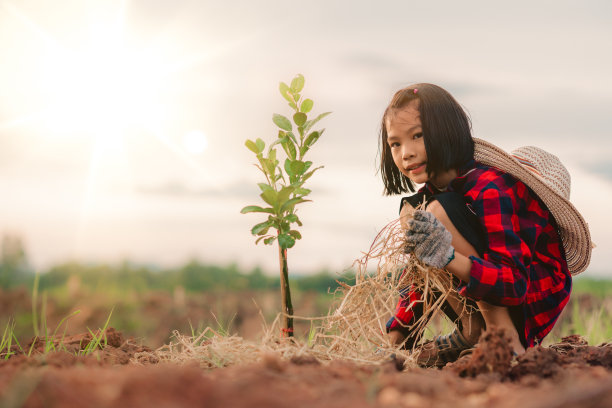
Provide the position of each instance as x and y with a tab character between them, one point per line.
32	346
34	304
43	317
17	341
76	312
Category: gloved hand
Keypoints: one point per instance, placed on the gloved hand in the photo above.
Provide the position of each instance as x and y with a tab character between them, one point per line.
429	240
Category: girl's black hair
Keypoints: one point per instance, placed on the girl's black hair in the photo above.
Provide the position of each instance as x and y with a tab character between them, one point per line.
447	133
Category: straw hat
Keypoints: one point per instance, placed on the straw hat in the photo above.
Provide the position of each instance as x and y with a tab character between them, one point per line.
549	179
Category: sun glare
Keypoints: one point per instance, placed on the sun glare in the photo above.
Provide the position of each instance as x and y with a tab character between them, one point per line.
102	87
195	142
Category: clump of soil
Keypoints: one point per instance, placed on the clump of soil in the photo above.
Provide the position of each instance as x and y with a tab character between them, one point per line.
541	361
492	355
492	358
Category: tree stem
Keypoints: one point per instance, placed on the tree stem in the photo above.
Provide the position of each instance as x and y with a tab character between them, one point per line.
287	318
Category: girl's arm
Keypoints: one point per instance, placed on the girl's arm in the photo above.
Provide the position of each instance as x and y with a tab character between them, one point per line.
500	276
460	266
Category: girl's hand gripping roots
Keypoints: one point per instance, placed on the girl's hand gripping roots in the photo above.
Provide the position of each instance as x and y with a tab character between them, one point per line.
428	239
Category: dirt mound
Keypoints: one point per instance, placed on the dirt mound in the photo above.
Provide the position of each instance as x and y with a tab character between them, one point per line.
568	374
492	355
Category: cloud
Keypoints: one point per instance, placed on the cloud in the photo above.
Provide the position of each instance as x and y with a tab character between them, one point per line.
240	189
602	168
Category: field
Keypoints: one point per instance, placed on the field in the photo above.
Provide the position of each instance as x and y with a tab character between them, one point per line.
110	343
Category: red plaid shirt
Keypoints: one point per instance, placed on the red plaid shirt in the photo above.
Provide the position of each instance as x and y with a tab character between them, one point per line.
523	264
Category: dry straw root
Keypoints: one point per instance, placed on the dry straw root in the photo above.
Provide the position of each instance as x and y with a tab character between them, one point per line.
354	331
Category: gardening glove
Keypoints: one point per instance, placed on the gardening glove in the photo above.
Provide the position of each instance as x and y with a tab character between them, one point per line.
429	240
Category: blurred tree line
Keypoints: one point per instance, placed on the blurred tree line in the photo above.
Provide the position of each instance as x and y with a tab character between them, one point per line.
193	276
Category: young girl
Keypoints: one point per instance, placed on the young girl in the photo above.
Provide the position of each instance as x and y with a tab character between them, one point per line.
501	224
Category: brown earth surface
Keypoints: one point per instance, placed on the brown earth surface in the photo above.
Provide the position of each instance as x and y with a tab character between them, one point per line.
567	374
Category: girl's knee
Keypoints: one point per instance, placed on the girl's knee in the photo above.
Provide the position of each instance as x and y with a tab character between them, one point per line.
459	242
438	211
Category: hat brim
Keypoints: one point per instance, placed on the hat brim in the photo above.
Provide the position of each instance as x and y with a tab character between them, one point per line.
573	229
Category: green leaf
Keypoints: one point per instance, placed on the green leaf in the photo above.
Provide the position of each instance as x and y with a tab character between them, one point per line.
292	136
286	241
269	241
272	156
302	191
297	220
306	105
279	139
268	165
289	148
265	187
281	121
312	138
297	167
297	84
284	91
255	208
261	228
292	105
310	173
284	194
260	238
284	227
261	145
288	205
297	184
310	123
299	118
270	197
251	146
288	168
295	234
291	218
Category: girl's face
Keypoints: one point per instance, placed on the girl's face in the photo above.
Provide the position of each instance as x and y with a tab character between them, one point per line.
405	138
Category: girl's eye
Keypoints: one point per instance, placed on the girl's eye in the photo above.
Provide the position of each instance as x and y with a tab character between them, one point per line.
418	135
394	144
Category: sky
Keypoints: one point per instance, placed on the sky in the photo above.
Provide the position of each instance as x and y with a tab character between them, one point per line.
122	123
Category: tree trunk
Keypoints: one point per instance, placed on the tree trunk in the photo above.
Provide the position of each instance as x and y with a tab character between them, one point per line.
287	317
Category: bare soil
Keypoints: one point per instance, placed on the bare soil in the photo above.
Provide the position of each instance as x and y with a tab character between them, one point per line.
568	374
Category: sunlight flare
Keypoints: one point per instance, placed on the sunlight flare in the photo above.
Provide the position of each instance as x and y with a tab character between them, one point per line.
195	142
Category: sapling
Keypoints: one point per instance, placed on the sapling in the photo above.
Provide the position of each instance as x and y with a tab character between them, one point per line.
284	187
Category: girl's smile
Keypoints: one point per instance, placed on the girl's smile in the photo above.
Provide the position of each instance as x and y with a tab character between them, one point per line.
417	169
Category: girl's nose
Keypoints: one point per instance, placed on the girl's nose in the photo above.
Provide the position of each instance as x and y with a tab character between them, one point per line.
407	153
